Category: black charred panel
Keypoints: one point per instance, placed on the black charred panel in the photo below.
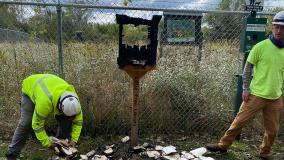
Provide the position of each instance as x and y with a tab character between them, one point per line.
138	55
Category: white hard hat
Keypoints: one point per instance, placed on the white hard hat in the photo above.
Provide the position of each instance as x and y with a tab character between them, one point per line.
69	104
278	18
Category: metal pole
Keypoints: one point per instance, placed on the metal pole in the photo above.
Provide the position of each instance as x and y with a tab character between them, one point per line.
238	100
7	34
59	40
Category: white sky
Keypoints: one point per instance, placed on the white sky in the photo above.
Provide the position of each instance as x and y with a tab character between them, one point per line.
108	16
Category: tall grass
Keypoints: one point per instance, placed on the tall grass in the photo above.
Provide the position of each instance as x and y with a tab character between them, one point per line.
182	94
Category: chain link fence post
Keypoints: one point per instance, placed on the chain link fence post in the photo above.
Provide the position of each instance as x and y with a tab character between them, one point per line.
59	40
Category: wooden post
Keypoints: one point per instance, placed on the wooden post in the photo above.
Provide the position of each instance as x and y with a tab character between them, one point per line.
135	112
135	72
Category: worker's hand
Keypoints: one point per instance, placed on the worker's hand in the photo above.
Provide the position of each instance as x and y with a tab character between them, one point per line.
54	147
246	95
71	144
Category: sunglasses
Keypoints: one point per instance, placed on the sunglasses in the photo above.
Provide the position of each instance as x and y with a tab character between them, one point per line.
277	26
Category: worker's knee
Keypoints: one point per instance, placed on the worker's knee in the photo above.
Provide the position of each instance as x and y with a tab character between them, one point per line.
272	134
25	125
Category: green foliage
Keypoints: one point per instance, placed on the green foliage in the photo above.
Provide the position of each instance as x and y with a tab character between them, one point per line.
3	149
221	26
135	35
181	28
231	5
74	19
75	26
43	26
8	16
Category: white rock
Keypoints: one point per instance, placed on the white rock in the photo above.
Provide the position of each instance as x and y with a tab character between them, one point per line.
66	151
159	148
108	151
125	139
172	157
111	146
145	145
73	150
199	151
169	150
138	148
153	154
187	155
91	153
99	157
83	157
204	158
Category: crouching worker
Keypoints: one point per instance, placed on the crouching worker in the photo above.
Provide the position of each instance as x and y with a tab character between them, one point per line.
43	95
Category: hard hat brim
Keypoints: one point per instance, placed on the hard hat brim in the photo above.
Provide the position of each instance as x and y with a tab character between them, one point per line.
278	23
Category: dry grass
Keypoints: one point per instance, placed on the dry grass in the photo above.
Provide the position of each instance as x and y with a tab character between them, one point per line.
182	95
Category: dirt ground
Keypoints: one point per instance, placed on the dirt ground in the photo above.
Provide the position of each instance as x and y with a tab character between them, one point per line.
245	149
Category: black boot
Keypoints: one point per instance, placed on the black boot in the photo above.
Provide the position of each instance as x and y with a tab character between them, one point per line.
215	148
11	156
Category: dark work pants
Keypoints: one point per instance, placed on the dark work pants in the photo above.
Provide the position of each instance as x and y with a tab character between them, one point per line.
64	127
25	125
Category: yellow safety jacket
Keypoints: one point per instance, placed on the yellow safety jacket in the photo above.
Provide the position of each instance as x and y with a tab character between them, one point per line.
45	90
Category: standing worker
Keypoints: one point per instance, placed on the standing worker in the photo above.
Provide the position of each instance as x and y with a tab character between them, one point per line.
263	93
43	95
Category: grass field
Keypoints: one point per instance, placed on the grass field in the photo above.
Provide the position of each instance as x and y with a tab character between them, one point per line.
240	150
181	96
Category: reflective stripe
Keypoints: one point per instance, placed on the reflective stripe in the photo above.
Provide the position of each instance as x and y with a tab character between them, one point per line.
37	82
44	88
39	116
38	130
78	123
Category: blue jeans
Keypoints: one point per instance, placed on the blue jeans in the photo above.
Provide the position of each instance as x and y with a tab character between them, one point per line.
24	127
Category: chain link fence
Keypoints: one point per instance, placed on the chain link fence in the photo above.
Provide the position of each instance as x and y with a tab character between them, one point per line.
8	35
192	90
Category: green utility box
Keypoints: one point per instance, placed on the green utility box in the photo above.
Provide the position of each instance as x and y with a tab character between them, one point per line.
254	32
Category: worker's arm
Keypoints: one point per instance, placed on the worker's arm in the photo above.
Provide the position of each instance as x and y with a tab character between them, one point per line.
76	127
247	72
39	117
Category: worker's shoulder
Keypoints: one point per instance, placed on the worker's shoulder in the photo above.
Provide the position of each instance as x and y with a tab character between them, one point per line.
36	76
264	42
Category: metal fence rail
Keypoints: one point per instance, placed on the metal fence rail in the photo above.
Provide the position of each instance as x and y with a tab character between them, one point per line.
9	35
191	91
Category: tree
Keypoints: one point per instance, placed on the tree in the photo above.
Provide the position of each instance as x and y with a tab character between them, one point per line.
8	16
75	25
221	26
44	23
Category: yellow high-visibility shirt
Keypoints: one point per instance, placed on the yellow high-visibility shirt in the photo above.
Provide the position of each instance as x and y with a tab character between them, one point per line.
268	67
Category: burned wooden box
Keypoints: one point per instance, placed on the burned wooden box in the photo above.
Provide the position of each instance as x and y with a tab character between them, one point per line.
136	55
